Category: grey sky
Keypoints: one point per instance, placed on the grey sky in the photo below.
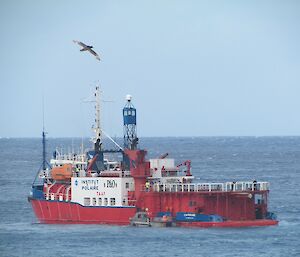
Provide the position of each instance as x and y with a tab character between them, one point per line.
194	68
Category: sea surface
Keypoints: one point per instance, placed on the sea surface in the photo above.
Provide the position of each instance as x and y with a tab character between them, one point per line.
214	159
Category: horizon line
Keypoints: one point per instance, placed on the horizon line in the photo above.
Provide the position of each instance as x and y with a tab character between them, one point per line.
121	137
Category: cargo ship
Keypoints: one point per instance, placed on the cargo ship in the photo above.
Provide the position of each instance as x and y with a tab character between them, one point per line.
91	187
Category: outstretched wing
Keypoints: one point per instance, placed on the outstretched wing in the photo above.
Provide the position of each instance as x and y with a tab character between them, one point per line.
87	48
94	53
80	43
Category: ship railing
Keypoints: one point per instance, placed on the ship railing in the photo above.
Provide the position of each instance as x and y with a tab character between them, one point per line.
58	197
209	187
69	157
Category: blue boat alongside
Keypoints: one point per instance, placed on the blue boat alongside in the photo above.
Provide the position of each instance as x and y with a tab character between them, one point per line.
197	217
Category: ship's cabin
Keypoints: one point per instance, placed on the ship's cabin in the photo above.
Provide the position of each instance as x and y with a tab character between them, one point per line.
165	171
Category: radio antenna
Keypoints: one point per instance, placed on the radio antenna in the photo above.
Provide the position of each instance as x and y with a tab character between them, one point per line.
45	163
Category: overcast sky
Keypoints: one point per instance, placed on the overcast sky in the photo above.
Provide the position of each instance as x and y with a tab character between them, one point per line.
194	68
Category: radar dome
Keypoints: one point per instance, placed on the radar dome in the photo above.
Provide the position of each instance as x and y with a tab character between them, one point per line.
128	98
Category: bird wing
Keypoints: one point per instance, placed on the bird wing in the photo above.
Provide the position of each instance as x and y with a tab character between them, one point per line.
94	53
79	43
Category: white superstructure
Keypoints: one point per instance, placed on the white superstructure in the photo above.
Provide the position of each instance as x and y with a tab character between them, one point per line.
165	171
101	191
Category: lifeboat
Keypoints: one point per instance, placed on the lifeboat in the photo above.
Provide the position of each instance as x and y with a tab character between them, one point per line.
63	172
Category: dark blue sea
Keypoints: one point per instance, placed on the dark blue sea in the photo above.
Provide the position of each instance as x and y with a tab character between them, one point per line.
273	159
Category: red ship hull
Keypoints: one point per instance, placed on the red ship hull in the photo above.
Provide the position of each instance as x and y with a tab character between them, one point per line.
74	213
55	212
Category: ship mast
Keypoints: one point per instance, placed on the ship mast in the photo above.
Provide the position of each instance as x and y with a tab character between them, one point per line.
97	128
44	150
44	163
98	153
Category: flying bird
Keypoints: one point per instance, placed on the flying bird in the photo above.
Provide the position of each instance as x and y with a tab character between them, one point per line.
87	48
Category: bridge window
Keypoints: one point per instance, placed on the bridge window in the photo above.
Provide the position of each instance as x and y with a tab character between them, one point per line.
127	185
87	201
105	201
125	113
133	113
112	201
94	201
99	201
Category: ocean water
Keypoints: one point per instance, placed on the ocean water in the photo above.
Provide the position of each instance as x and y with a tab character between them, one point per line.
214	159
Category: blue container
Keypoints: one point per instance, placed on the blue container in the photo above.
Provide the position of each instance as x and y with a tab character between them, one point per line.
197	217
192	217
